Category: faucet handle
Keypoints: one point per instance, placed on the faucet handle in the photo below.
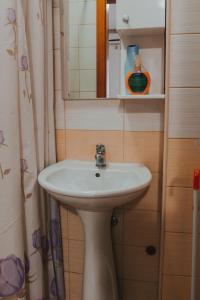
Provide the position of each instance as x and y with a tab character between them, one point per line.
100	148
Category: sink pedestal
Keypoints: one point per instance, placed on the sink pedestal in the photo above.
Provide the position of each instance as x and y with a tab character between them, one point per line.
99	281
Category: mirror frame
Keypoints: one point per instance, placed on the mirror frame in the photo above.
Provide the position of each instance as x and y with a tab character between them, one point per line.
101	48
101	52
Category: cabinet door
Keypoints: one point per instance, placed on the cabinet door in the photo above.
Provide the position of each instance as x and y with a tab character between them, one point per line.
140	14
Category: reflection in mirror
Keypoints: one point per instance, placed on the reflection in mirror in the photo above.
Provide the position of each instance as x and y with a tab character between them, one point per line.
86	36
79	49
101	36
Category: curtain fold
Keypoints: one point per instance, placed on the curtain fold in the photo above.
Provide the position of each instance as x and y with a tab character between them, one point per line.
31	265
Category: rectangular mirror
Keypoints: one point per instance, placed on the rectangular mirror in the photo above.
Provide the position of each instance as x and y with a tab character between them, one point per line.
96	37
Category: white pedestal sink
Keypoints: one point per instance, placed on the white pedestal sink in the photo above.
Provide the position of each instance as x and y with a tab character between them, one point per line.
94	193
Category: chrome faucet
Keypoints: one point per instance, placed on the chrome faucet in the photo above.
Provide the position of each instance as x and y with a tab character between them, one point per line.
100	156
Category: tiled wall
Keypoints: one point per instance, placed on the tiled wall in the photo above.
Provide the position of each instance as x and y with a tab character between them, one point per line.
132	132
183	149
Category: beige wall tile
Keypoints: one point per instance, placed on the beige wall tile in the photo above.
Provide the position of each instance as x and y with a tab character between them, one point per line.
118	259
82	144
139	290
184	113
76	256
178	254
76	281
66	278
141	228
117	230
64	221
178	287
183	158
185	16
178	209
65	244
145	148
185	60
60	144
75	226
137	265
151	200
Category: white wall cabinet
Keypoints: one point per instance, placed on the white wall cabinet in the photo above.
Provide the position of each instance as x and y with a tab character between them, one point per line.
141	15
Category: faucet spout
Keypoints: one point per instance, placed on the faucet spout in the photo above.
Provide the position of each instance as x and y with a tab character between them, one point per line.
100	156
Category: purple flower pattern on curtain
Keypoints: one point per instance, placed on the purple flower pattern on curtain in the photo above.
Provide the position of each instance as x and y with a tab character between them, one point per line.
12	274
3	171
11	21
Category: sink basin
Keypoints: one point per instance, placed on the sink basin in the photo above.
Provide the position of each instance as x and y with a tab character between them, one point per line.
82	185
93	193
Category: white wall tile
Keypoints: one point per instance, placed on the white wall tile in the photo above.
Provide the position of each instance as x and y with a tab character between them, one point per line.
82	12
184	113
87	58
74	95
74	81
88	95
73	35
185	60
87	80
185	16
144	115
74	58
74	12
87	36
87	12
94	115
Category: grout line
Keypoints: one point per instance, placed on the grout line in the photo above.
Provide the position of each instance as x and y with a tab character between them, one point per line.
184	87
183	138
138	280
184	33
181	232
179	275
180	187
183	276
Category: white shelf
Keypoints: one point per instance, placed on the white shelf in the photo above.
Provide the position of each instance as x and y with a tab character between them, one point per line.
132	97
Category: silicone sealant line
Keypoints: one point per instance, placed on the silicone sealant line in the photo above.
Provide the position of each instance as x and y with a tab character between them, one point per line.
196	187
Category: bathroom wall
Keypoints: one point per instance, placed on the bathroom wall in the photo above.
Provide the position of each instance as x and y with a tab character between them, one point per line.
183	147
131	132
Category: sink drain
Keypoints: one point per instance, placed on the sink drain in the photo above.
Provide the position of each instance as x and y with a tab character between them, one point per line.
97	175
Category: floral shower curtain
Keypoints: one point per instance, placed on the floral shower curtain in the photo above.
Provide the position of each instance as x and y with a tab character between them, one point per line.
30	242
